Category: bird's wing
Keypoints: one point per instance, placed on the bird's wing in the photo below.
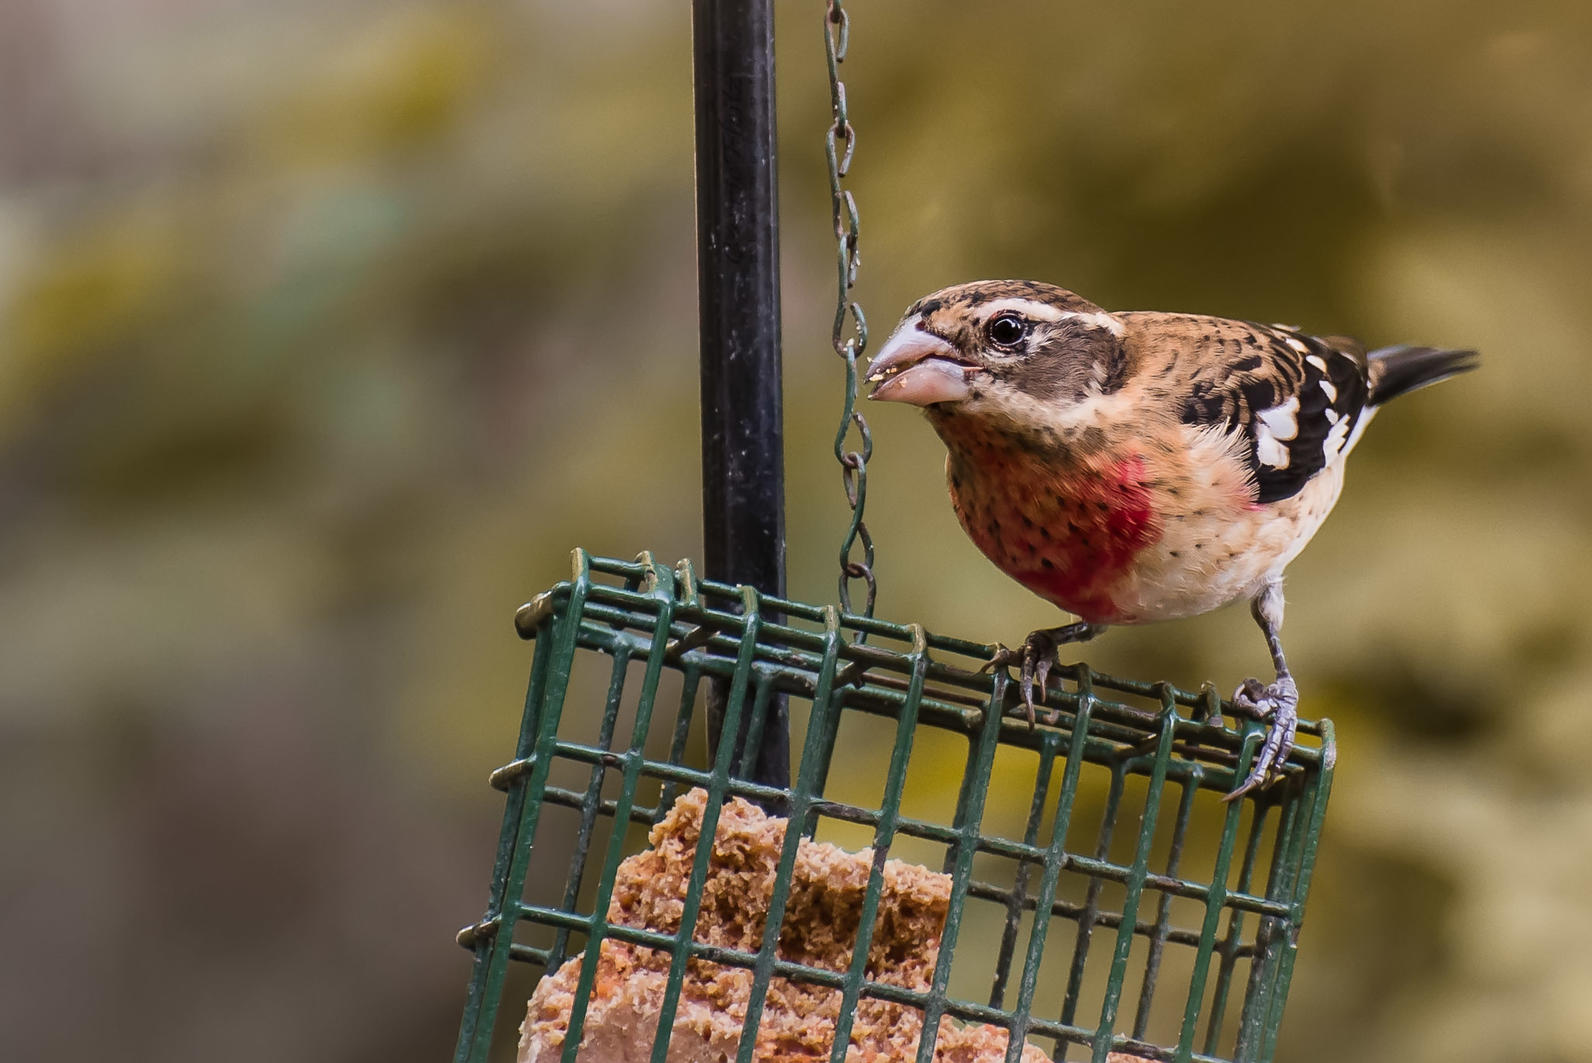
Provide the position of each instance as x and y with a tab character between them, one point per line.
1295	398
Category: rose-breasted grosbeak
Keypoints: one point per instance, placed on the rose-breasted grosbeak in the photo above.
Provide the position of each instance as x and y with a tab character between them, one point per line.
1141	466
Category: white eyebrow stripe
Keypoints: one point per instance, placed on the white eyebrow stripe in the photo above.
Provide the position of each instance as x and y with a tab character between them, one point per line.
1028	307
1040	311
1105	321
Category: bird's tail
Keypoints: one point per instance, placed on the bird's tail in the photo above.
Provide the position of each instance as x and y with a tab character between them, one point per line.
1395	370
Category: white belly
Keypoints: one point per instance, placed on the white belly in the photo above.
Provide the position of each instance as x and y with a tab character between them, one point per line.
1204	561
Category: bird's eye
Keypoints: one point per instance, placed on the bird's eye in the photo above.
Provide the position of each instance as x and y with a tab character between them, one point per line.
1007	330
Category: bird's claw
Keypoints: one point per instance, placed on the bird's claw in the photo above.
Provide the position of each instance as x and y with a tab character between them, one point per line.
1035	660
1277	702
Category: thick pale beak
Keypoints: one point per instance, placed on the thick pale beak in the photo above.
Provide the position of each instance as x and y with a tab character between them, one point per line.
918	368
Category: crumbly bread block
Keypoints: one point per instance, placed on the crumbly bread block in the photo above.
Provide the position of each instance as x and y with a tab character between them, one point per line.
820	929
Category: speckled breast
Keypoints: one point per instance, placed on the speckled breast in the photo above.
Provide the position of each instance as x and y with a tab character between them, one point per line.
1072	531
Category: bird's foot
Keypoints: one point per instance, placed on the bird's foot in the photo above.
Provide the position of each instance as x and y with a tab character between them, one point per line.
1035	659
1277	702
1038	656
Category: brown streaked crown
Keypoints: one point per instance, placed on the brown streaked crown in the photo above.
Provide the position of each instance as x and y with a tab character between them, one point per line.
976	293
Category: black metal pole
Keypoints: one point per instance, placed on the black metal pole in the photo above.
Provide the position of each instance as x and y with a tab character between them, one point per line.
743	476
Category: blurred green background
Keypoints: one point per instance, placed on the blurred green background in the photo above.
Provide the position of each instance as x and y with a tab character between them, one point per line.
329	328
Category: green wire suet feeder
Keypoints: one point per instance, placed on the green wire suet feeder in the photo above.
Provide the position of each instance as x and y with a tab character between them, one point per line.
1170	917
1121	906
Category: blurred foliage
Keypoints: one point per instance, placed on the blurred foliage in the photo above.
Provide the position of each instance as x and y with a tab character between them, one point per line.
329	328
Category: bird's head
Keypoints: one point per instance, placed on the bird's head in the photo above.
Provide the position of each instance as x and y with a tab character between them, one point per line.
1011	350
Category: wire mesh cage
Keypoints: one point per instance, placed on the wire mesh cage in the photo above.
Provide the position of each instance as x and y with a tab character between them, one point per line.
1106	900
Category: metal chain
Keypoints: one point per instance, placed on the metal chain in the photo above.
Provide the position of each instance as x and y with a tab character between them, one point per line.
839	144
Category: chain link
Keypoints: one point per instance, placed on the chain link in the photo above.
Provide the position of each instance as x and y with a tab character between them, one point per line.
840	143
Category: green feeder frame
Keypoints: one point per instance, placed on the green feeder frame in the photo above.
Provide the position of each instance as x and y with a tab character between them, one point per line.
1182	932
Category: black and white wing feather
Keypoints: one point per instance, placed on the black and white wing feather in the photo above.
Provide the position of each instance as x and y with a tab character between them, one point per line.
1296	398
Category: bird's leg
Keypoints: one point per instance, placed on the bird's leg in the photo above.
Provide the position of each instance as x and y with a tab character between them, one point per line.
1038	656
1277	701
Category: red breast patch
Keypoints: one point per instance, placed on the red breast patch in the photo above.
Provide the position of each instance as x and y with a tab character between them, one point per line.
1067	534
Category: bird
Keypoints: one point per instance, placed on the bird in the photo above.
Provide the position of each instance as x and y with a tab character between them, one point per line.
1139	466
